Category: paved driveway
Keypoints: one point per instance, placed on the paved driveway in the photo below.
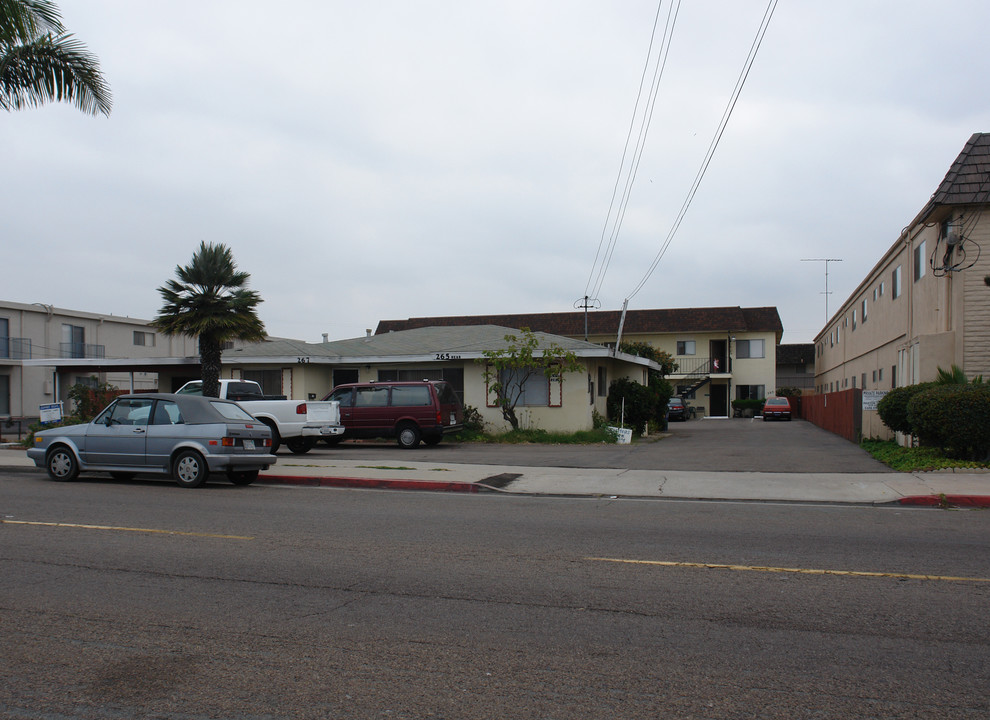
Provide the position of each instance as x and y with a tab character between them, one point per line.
724	445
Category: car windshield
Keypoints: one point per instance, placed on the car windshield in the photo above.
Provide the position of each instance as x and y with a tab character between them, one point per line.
232	411
777	401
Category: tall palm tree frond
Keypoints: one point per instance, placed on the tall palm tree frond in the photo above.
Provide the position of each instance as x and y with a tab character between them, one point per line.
21	21
52	68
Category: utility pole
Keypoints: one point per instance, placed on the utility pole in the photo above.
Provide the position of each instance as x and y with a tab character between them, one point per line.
826	293
586	302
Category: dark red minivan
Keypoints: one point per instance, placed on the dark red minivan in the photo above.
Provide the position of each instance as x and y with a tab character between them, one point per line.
408	411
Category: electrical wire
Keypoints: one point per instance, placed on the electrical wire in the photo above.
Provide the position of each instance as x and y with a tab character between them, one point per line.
637	151
737	90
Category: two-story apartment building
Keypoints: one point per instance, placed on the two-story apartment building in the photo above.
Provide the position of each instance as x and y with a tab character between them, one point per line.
723	353
86	343
924	305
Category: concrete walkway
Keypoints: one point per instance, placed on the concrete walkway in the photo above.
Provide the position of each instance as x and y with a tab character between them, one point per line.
964	488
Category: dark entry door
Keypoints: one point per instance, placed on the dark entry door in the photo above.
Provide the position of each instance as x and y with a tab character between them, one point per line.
718	398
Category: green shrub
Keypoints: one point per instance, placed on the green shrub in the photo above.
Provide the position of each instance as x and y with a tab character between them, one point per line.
955	418
892	408
756	405
642	403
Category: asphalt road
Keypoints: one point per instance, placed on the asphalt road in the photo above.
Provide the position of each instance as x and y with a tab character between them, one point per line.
140	599
736	445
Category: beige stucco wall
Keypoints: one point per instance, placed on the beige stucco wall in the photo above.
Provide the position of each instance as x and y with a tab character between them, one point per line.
745	371
939	320
33	386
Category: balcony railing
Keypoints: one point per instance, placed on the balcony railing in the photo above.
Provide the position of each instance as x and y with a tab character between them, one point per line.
700	366
15	348
82	350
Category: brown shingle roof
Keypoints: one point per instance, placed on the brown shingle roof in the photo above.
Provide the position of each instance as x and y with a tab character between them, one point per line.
968	179
571	324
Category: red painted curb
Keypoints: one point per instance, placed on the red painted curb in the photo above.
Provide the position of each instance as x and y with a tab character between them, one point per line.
981	501
435	486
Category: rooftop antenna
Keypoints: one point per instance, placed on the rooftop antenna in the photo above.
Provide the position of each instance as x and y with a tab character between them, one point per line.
826	293
586	302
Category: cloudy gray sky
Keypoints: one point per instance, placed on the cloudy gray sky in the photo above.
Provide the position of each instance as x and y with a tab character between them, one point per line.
386	159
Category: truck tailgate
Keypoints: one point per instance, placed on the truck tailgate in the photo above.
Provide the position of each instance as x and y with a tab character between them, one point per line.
323	411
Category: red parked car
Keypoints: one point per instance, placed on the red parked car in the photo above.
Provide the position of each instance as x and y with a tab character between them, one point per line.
778	408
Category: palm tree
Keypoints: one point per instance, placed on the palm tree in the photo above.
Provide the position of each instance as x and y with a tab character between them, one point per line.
40	62
210	301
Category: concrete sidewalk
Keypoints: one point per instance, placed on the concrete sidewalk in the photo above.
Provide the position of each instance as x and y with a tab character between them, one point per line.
938	488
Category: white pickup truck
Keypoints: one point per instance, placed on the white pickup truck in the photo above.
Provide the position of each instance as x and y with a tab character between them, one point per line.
296	423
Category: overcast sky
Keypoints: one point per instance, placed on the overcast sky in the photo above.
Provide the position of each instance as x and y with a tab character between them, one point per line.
382	160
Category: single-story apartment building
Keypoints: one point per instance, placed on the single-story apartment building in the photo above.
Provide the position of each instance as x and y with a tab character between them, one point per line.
722	353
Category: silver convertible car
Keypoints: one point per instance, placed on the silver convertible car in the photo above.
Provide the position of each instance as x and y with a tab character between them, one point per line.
184	436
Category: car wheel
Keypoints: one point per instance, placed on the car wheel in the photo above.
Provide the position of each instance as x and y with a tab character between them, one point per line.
408	436
122	475
61	464
189	469
242	477
276	438
300	445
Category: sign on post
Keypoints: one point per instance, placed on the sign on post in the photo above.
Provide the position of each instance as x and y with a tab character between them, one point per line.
50	413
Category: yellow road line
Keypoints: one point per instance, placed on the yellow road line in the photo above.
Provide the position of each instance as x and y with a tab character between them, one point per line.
124	529
800	571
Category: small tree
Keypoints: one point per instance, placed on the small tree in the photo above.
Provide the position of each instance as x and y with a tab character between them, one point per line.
508	369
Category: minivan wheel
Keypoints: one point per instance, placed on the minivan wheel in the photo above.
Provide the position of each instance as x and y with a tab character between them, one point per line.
408	436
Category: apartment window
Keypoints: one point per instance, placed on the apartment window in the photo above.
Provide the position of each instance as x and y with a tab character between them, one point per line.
4	394
881	289
145	339
919	261
685	347
895	282
750	349
863	381
227	345
4	339
893	376
875	294
534	391
750	392
270	380
863	309
73	341
854	319
874	376
854	381
602	382
880	375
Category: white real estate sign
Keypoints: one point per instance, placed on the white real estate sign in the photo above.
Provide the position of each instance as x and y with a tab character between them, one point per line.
871	398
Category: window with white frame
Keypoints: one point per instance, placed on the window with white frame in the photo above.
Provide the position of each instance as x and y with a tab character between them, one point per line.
863	309
895	282
685	347
919	261
750	349
145	339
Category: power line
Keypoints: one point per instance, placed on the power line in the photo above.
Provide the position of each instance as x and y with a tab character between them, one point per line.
637	151
727	113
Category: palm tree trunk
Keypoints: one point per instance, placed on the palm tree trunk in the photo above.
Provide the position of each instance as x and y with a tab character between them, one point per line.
210	353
